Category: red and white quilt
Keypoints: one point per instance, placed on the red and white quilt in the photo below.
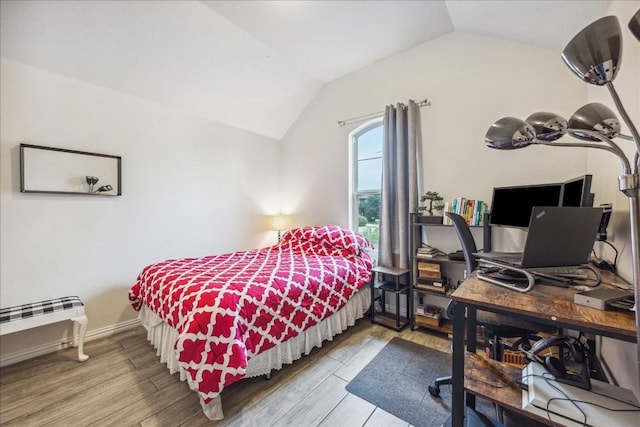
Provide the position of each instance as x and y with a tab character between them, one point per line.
227	308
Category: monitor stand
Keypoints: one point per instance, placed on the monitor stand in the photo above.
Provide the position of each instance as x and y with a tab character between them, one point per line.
510	277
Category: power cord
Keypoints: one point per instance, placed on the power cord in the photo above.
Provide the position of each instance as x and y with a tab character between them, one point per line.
521	383
605	265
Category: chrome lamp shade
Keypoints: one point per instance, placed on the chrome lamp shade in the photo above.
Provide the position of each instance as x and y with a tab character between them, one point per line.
594	53
547	126
510	133
595	117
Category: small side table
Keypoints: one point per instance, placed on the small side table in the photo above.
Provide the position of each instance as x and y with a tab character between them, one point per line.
394	280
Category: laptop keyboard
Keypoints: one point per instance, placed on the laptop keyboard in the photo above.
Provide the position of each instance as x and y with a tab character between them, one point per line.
507	259
565	271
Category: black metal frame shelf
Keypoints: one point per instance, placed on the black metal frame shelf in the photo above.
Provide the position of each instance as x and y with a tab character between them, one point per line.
390	279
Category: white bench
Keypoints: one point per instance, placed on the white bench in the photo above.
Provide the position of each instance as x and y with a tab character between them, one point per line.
21	317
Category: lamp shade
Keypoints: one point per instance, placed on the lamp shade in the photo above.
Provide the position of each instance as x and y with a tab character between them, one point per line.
634	24
279	222
594	53
594	117
509	133
548	126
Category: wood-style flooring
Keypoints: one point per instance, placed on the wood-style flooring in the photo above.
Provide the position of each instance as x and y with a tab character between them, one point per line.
124	384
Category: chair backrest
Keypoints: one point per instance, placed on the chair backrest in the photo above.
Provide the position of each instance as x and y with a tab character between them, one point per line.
466	240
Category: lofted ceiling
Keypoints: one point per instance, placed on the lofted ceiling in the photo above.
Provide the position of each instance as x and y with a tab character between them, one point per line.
255	65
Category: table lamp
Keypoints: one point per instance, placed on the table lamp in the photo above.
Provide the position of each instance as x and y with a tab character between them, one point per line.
279	223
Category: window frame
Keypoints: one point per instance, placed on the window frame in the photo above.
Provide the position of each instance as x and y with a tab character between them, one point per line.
353	170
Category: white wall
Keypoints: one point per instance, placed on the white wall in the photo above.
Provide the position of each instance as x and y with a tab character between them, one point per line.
471	82
190	187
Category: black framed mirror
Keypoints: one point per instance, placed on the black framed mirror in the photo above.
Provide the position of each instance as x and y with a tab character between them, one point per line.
62	171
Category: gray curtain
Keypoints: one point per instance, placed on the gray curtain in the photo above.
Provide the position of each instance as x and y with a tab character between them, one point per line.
401	148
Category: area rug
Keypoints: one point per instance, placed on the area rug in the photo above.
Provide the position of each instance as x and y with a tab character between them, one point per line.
397	378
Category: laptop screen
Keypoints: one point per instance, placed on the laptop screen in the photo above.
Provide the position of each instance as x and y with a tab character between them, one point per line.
560	236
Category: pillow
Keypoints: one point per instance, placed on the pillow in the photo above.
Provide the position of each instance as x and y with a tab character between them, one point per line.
331	235
300	233
340	237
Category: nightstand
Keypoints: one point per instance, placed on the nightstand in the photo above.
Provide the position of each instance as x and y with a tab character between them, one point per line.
395	281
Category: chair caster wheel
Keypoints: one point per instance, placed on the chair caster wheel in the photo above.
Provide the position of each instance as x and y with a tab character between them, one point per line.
434	391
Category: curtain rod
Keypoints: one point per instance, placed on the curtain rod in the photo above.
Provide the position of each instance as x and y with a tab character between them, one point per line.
424	103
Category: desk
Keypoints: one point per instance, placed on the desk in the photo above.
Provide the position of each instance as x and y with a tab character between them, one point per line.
544	304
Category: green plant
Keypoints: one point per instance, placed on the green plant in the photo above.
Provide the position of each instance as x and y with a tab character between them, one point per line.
435	202
371	232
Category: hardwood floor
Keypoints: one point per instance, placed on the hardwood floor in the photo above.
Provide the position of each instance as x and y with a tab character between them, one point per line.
124	384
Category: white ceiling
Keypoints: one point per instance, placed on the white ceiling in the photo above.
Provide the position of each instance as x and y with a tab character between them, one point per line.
255	65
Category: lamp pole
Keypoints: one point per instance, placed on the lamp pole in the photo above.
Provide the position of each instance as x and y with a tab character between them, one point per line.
630	186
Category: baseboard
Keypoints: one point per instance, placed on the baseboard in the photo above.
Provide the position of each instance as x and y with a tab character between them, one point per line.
95	334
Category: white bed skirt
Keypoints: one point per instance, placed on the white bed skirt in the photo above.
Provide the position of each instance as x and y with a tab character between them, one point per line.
163	338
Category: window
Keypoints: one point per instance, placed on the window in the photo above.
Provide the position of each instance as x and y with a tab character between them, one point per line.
366	179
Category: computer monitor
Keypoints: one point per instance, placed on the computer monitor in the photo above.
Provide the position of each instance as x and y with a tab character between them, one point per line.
512	206
577	192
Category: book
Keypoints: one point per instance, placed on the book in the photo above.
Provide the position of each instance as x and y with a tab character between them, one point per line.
427	256
426	274
425	249
471	210
427	285
424	265
447	208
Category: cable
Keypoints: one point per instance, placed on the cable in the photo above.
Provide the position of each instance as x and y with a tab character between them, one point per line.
503	384
605	265
566	397
550	380
615	258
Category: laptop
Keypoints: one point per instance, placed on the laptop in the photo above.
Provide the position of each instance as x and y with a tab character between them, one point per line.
557	237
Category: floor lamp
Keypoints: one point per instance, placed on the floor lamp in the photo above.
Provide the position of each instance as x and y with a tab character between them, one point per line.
594	55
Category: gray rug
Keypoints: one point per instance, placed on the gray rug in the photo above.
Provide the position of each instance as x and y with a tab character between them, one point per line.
397	378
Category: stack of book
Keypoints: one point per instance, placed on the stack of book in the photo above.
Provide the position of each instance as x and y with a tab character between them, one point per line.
472	210
428	270
426	252
428	314
430	277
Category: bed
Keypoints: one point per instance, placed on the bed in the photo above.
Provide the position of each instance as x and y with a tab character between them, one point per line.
217	319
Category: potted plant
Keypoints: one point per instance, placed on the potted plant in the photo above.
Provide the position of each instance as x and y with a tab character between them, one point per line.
435	204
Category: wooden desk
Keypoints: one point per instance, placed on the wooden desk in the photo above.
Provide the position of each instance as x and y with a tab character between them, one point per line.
544	304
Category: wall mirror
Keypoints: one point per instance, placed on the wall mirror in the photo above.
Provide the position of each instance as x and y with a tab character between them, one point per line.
62	171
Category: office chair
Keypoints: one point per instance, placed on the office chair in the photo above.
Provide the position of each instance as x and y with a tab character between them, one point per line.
496	326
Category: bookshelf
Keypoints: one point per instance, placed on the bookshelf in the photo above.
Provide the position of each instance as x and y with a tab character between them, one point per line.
430	279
